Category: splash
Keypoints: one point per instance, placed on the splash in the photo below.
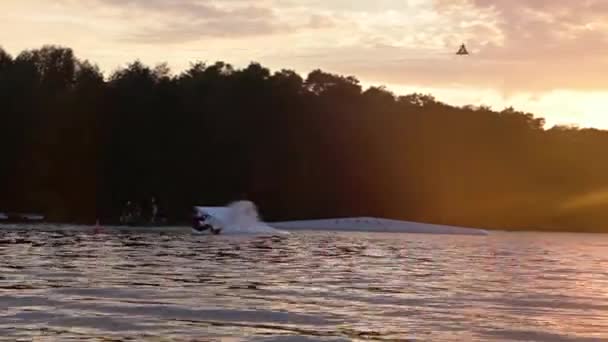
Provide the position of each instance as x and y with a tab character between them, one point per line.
240	217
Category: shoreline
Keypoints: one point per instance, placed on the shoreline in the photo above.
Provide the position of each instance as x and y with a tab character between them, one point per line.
184	228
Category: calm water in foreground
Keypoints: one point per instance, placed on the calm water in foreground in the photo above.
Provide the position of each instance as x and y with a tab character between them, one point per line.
326	286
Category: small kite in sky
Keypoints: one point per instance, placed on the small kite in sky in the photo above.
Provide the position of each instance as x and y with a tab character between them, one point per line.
462	50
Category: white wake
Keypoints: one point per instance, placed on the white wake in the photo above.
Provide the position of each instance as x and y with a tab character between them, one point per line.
237	218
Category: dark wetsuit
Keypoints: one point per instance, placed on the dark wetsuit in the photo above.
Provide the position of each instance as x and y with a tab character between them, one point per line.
197	224
200	226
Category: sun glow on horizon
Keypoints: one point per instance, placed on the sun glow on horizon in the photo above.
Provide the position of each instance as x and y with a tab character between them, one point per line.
583	109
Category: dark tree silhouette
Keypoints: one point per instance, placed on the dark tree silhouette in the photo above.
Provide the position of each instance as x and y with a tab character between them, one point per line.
77	146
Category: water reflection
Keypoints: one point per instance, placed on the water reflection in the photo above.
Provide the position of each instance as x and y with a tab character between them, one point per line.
321	286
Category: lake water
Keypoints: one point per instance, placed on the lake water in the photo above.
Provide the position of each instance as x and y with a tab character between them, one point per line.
72	286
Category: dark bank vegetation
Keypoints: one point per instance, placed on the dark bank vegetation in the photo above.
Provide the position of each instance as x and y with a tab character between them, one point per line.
76	146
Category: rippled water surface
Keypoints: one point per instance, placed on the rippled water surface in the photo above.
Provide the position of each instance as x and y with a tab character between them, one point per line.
76	285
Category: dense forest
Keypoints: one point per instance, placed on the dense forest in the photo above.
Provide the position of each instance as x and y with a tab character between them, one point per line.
76	145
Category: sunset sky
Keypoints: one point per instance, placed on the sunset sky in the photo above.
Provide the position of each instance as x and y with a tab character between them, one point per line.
548	57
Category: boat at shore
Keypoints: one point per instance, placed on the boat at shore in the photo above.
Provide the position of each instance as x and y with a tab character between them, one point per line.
21	218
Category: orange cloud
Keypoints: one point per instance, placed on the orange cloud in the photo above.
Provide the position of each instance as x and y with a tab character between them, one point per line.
549	44
183	21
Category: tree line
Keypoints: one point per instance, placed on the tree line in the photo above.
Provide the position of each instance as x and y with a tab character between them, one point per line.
76	145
